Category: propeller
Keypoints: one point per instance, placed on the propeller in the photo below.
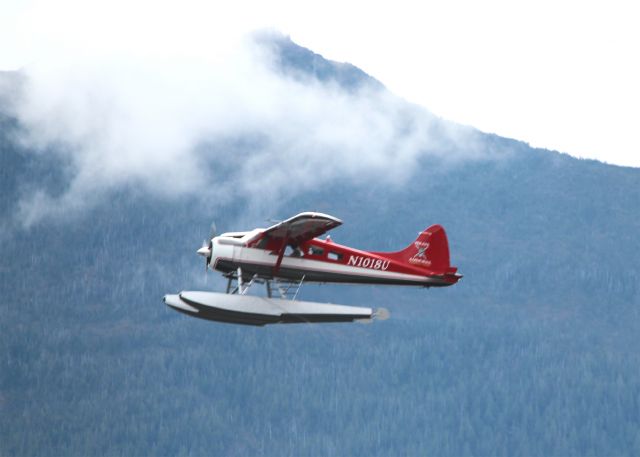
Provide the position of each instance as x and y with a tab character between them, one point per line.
207	247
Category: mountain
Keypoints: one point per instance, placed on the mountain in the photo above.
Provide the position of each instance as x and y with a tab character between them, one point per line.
534	352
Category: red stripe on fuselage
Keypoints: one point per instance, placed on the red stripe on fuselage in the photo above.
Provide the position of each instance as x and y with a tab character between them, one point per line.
363	259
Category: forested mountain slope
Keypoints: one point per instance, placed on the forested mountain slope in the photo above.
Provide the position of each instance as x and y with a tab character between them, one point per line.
534	352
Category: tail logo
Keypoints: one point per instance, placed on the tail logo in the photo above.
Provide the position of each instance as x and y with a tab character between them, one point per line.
420	257
422	248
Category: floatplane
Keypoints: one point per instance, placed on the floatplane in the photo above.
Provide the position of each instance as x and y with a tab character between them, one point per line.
290	253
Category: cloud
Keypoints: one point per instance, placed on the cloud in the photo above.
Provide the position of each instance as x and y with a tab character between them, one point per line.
220	123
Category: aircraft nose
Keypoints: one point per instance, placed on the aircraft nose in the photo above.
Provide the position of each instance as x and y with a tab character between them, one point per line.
204	251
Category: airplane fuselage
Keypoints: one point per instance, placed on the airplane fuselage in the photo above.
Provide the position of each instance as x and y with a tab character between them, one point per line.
320	261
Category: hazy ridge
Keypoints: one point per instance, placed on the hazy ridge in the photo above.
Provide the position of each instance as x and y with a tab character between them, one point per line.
533	353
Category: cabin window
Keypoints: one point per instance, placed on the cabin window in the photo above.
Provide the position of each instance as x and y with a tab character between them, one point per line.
292	251
313	250
334	256
262	244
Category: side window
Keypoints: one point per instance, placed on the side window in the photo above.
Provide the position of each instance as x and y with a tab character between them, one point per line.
313	250
334	255
293	251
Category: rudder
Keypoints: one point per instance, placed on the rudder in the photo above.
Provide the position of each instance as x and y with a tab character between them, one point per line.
430	250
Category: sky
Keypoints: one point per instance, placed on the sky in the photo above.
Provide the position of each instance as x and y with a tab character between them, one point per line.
558	75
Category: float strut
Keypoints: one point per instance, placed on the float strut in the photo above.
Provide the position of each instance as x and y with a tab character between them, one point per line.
240	285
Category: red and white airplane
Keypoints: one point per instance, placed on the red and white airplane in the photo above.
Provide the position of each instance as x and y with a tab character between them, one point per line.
289	253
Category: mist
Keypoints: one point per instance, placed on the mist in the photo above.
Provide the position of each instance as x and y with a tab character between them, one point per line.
227	122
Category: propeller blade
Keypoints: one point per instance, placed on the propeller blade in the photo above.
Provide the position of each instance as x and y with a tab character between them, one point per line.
213	230
207	248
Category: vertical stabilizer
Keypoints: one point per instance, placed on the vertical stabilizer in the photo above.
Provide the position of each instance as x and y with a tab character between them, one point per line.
429	251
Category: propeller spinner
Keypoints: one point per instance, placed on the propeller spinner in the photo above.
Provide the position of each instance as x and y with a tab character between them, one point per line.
205	250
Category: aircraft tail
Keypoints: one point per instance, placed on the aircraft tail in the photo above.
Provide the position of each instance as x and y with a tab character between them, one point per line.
429	251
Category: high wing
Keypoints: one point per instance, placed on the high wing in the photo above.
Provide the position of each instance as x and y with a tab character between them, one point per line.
302	227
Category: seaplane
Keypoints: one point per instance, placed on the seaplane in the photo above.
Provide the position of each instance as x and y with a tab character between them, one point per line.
290	253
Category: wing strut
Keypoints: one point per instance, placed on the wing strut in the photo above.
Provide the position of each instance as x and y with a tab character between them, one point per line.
283	248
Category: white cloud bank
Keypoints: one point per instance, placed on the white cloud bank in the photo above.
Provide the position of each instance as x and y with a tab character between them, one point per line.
170	122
